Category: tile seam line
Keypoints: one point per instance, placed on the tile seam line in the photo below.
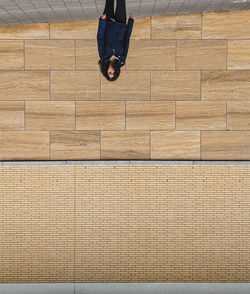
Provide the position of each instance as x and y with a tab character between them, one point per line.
133	39
74	226
129	70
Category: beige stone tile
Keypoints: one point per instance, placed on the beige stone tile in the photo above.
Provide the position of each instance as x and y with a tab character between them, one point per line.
226	25
100	115
176	26
37	54
225	85
50	115
133	85
150	115
25	31
75	145
11	54
75	85
238	54
201	54
125	145
24	85
238	115
200	115
88	29
225	145
87	56
151	55
175	145
141	28
74	30
50	54
24	145
175	85
11	115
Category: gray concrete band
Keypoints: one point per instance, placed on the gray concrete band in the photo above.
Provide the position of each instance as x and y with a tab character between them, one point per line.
43	11
128	162
126	288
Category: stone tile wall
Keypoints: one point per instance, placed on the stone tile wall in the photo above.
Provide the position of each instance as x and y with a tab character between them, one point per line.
184	93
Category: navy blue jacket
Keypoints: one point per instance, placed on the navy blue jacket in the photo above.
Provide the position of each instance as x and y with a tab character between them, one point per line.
113	39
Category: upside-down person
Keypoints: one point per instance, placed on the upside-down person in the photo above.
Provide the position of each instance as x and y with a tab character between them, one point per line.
113	38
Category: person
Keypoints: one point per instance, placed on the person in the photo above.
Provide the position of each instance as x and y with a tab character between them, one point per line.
113	38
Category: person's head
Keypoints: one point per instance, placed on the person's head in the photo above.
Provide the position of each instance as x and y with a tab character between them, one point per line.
110	69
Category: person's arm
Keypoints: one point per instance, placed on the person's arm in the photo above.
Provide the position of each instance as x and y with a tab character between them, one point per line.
127	37
100	36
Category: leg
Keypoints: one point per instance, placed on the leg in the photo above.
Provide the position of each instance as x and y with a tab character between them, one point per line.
109	9
120	12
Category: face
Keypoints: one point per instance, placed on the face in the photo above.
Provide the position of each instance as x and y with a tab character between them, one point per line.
111	71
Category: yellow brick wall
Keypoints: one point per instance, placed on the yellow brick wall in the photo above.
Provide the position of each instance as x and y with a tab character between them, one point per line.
124	223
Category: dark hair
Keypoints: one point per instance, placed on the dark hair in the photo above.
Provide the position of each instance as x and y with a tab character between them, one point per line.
104	65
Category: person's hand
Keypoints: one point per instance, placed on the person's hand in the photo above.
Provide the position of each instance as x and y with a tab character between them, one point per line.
103	16
131	15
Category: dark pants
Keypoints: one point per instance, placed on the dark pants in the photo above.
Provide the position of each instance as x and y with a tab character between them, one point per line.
120	12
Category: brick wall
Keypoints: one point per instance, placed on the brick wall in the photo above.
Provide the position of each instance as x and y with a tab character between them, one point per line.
124	223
